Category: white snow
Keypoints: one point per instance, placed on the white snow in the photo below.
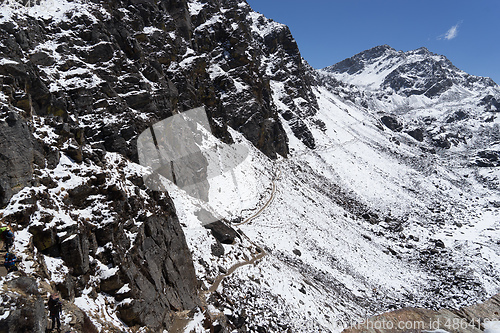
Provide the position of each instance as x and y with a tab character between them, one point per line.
196	324
99	311
124	289
151	30
359	160
57	269
263	26
5	61
57	10
195	7
492	327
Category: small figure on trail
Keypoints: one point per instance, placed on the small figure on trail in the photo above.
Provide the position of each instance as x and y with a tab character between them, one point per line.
7	237
55	308
10	263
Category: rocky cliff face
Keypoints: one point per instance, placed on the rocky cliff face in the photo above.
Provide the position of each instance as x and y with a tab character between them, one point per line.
80	81
107	71
18	153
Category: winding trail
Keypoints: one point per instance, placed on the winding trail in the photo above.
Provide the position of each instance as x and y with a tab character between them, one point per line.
180	322
256	257
268	202
231	270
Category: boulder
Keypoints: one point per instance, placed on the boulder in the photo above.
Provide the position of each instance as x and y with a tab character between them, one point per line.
101	52
42	58
45	240
392	123
75	253
417	134
222	232
217	249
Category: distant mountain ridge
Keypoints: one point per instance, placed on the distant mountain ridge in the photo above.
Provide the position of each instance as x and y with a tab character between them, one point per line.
417	72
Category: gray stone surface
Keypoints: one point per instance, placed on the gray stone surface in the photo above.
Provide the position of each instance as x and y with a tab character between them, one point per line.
25	305
16	156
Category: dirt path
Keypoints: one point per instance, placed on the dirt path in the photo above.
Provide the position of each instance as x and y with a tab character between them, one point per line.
181	321
256	257
231	270
268	202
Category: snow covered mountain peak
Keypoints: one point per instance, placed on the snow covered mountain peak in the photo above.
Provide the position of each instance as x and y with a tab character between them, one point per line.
416	72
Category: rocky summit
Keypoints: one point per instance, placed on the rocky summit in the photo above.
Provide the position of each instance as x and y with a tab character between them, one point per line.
369	186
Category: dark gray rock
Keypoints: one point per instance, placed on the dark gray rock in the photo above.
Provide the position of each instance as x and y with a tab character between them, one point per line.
45	239
488	158
75	253
25	305
78	196
491	103
217	249
16	156
24	283
160	271
111	284
439	243
42	58
392	123
222	232
457	116
101	52
355	64
417	134
442	142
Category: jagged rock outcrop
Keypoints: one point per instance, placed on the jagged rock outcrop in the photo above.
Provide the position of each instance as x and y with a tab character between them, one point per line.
78	87
17	155
141	260
356	63
25	306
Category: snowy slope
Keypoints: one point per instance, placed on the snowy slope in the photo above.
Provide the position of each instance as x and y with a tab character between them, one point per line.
356	228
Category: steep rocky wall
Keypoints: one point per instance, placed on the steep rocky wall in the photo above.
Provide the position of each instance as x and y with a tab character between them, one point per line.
106	233
17	156
124	60
107	72
84	83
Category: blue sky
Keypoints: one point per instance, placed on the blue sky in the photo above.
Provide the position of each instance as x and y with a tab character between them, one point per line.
328	31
